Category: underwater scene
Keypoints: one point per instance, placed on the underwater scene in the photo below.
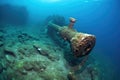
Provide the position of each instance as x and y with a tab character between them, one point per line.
59	40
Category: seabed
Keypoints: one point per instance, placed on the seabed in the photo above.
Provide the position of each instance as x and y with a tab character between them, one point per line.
31	54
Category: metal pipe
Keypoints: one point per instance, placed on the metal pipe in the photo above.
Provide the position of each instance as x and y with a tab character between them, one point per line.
81	43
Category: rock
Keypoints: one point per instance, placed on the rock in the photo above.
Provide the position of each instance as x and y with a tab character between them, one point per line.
23	72
71	76
57	19
9	58
1	39
8	11
1	34
28	66
9	51
23	37
1	43
53	57
1	68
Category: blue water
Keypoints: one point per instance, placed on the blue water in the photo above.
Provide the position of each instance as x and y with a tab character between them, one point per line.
98	17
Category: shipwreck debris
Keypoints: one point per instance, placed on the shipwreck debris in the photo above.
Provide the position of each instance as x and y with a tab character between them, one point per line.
81	43
72	21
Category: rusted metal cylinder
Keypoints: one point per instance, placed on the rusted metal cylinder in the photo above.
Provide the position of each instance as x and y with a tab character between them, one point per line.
81	43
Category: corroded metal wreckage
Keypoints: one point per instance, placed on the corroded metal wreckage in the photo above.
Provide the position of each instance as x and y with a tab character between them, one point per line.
81	43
